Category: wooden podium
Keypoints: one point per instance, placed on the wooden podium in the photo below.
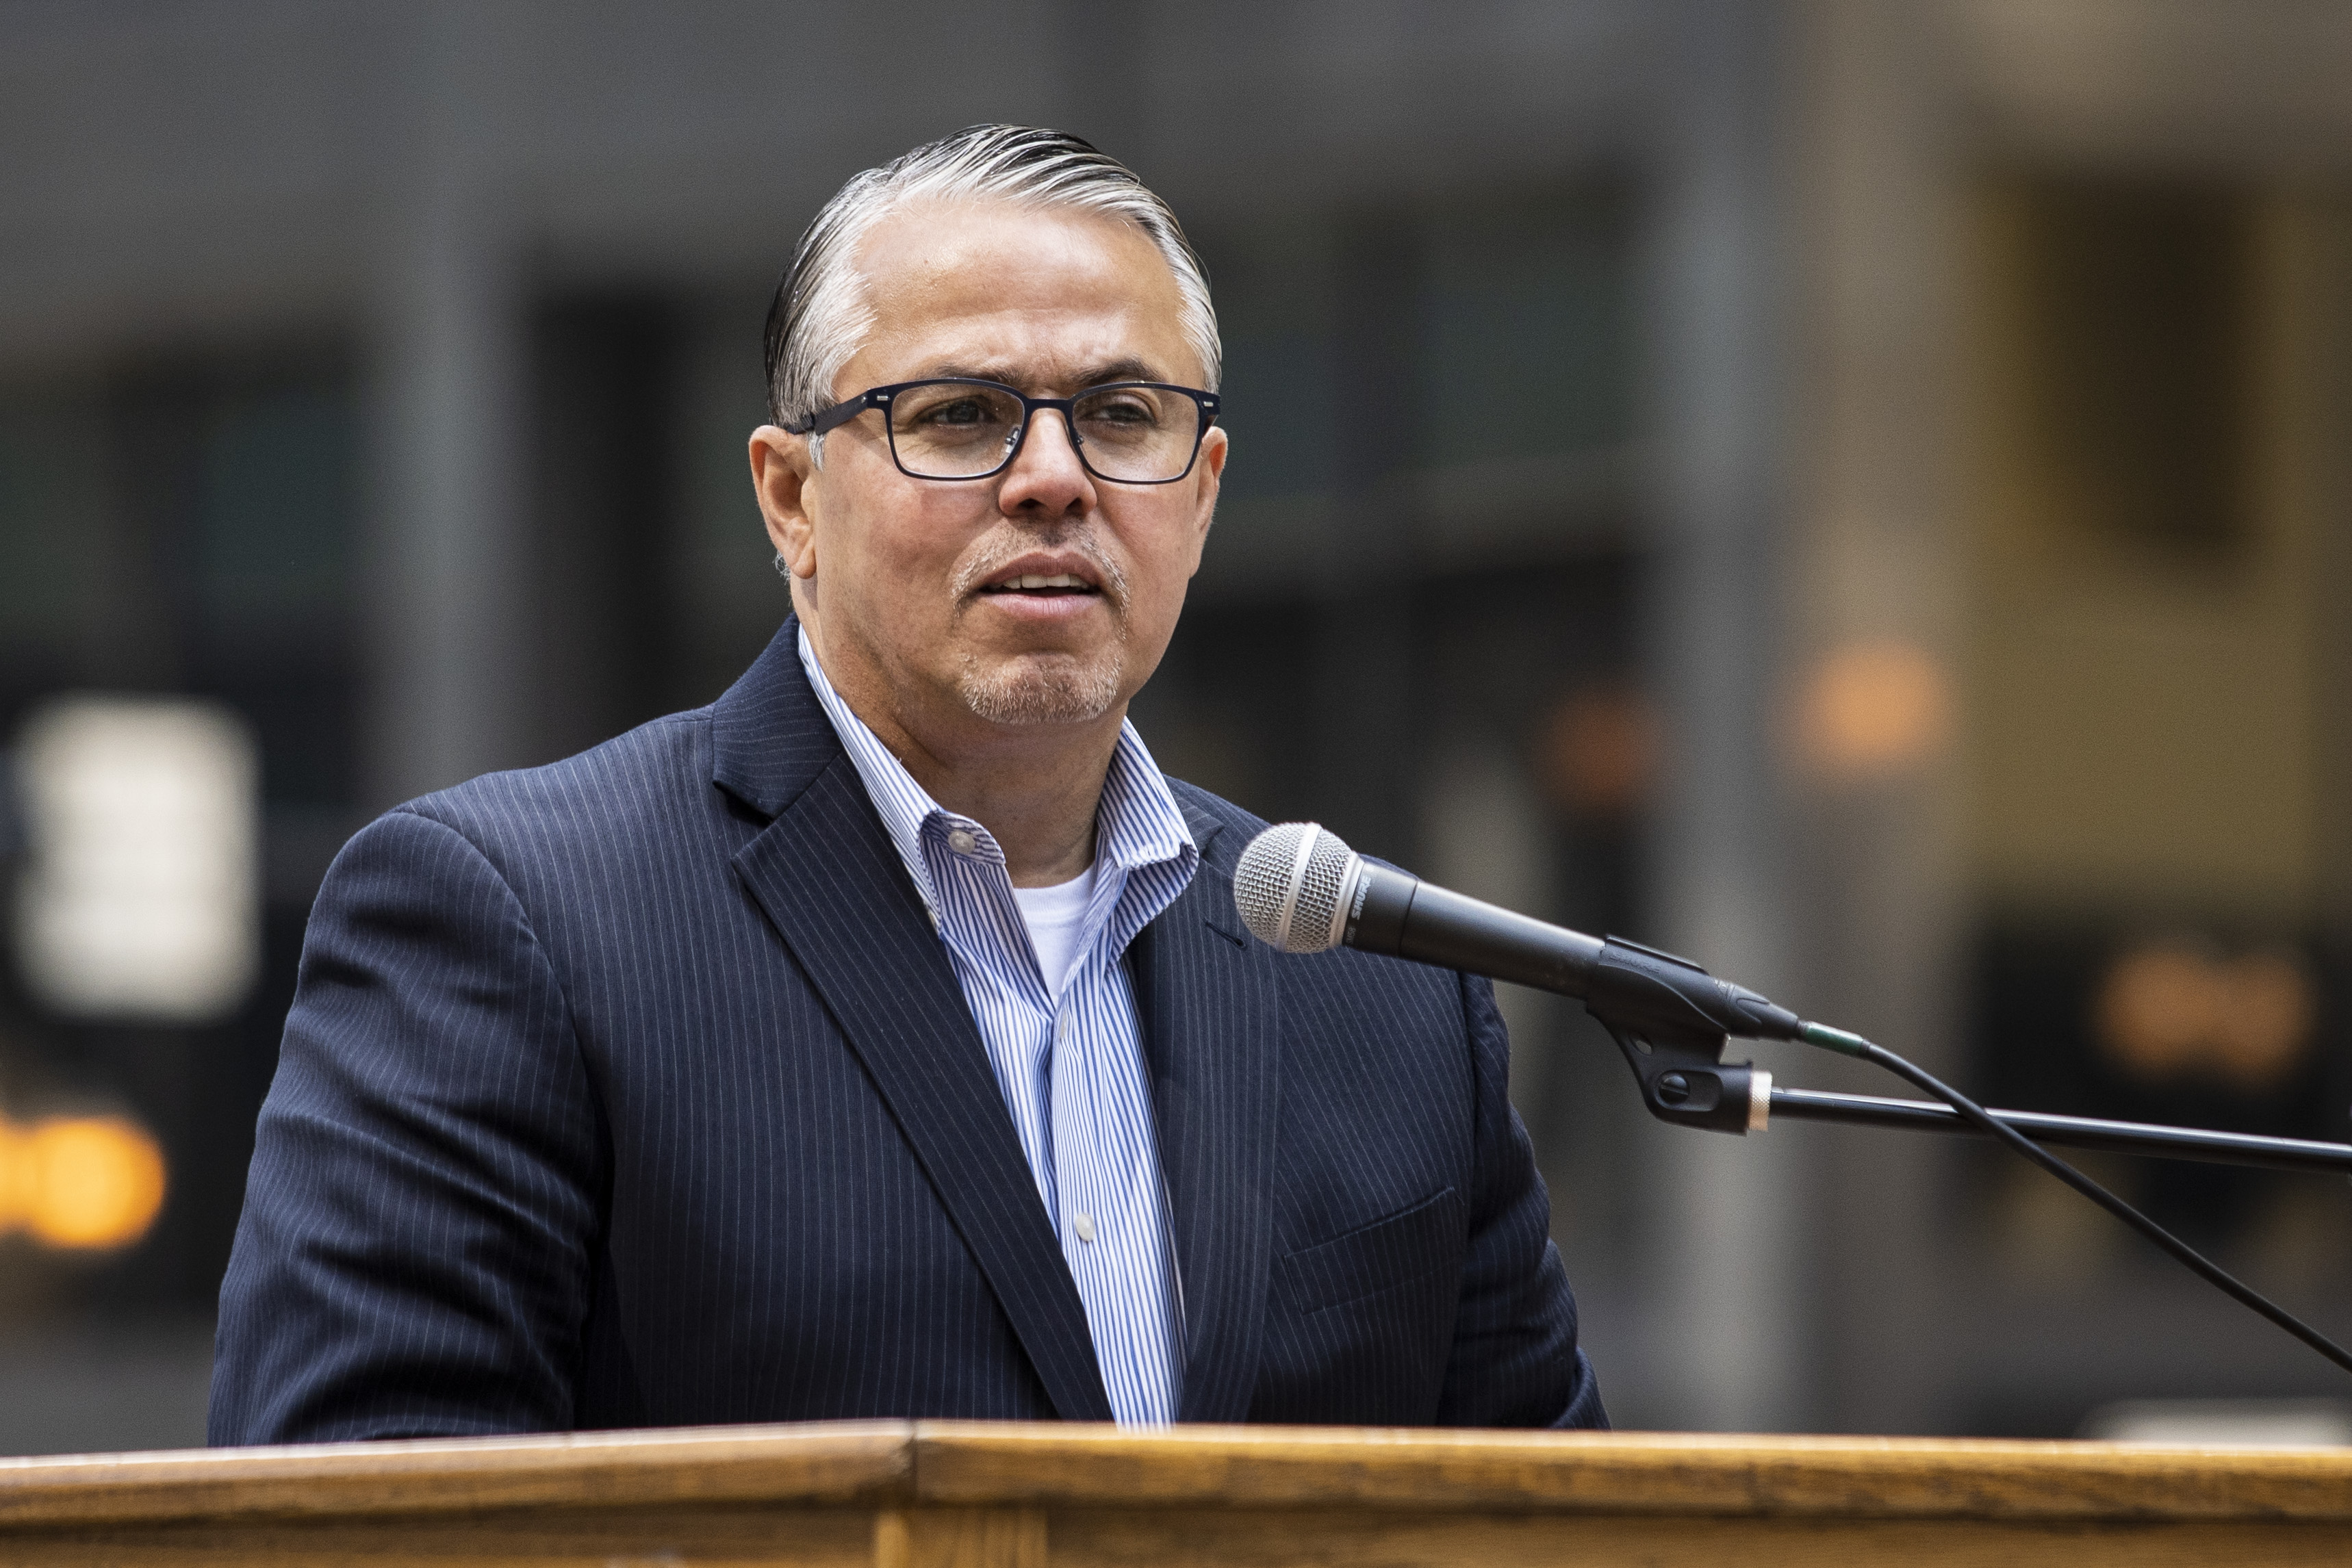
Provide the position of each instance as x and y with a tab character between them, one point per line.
899	1494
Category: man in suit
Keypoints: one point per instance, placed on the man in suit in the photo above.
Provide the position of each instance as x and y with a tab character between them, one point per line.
881	1041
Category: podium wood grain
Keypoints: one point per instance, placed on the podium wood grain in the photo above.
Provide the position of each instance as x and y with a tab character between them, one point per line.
934	1494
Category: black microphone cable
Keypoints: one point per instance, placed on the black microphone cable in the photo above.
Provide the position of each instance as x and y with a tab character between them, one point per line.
1853	1045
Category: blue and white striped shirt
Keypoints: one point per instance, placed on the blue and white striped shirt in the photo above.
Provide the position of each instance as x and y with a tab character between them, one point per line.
1069	1059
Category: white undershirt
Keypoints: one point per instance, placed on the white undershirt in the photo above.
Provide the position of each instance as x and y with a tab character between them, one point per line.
1055	917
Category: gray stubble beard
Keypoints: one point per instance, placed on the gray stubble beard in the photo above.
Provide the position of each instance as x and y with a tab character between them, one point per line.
1065	691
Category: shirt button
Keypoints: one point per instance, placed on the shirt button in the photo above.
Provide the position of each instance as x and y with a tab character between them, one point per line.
1062	1027
1085	1225
961	842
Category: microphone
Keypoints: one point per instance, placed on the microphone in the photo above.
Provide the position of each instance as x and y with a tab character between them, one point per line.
1300	889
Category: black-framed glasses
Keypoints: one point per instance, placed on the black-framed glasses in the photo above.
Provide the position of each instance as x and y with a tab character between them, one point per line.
1129	433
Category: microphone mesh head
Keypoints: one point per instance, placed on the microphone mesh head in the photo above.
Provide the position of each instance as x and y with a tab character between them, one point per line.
1262	879
1288	886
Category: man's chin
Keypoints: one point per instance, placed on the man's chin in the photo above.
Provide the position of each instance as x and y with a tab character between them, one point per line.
1041	688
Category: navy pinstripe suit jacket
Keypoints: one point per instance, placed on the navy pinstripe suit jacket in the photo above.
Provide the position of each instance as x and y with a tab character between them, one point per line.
637	1090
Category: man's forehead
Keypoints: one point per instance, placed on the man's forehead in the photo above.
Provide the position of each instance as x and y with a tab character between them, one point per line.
984	289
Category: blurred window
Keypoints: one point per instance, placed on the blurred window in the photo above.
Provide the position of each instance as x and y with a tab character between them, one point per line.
2133	303
1530	331
54	520
272	536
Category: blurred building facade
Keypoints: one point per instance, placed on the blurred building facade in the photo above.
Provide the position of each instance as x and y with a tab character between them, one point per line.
1849	490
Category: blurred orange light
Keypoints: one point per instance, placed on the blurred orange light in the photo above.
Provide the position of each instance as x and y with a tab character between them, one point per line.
2157	1008
2172	1010
1599	752
95	1182
1872	710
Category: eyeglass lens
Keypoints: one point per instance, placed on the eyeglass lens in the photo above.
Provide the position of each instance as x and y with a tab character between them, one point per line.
953	430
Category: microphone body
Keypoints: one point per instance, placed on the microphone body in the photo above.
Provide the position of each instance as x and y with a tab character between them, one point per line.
1405	917
1300	889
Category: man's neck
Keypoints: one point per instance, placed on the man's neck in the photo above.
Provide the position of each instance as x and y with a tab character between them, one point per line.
1034	786
1041	810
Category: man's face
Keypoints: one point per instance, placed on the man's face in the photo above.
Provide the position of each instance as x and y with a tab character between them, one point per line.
916	587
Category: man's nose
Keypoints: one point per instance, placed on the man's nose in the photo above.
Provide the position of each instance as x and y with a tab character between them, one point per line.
1046	474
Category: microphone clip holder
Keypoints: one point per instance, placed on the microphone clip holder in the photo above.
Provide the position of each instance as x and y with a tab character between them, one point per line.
1672	1020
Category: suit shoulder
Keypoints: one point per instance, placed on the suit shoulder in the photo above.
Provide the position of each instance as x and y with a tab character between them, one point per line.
650	773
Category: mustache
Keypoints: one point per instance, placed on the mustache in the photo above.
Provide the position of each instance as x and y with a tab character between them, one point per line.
1000	550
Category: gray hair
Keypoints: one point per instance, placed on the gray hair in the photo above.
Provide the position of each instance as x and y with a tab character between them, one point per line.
820	315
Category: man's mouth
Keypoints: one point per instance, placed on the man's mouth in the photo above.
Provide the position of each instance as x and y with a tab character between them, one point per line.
1036	585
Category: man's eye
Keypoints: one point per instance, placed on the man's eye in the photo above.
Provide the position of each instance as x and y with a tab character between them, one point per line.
1121	411
963	410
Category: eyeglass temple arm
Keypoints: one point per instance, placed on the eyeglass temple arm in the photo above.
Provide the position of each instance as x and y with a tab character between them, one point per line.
839	414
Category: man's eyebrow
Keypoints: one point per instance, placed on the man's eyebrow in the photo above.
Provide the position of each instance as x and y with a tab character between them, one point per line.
1127	370
1121	370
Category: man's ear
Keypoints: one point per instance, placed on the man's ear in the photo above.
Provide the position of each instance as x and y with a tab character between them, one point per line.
781	473
1211	461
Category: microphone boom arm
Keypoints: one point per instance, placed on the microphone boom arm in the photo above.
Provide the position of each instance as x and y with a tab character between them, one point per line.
1673	1022
2147	1138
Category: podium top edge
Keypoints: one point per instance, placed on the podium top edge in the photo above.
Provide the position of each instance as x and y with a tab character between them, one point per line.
902	1464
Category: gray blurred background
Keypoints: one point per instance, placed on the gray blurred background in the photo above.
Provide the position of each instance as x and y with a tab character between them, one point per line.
1856	491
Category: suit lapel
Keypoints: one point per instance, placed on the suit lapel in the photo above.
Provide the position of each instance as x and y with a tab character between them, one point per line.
1209	1000
831	882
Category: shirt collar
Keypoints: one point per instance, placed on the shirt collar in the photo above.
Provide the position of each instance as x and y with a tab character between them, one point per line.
1138	824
